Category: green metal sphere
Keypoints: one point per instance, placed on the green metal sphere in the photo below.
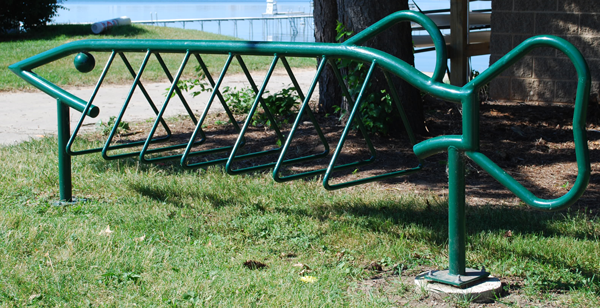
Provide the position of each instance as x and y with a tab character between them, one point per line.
84	62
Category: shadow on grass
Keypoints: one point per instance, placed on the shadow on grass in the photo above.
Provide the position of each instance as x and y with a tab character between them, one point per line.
430	216
51	32
379	215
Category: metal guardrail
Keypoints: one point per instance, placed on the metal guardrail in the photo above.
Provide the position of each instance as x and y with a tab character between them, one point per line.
183	20
457	146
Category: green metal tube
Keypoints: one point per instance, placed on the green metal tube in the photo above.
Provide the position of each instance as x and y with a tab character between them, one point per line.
64	159
470	119
87	108
353	113
456	211
159	117
258	100
467	142
524	194
58	93
179	94
291	134
287	49
198	129
392	19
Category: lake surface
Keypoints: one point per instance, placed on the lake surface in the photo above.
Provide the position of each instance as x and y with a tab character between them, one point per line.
87	11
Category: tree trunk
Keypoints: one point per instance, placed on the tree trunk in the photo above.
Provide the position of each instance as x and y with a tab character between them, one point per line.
357	15
325	16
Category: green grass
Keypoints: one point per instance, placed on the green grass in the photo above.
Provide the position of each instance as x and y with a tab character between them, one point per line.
181	237
62	72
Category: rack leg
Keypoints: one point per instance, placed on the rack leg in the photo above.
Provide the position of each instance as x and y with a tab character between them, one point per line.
64	159
456	211
457	274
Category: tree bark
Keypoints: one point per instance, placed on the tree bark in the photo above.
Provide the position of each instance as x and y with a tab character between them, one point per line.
357	15
325	16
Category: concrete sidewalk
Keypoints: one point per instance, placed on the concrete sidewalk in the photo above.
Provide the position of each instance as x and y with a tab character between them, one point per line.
26	115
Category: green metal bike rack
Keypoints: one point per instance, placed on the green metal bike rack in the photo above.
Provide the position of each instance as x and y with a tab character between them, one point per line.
458	146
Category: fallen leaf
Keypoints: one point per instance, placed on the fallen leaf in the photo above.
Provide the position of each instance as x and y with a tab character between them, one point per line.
140	239
107	231
251	264
308	279
374	266
287	255
302	265
304	271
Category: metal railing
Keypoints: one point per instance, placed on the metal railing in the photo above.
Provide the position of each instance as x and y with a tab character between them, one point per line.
457	146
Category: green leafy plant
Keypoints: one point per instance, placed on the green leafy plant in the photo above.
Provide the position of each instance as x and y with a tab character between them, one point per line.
377	110
282	104
187	85
239	101
105	128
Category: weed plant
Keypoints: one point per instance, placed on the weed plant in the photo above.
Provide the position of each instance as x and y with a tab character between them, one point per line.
282	104
377	110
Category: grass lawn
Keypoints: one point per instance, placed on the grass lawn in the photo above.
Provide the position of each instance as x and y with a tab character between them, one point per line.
159	236
62	72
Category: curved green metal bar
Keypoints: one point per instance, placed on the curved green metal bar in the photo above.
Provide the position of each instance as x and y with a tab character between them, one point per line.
579	125
439	43
340	145
286	49
468	142
54	91
523	193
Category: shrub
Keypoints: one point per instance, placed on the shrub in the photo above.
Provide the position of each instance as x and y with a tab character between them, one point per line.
30	14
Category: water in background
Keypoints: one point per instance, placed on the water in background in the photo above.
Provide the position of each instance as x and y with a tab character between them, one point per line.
87	11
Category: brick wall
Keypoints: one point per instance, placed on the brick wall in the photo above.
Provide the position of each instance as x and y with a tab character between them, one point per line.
545	75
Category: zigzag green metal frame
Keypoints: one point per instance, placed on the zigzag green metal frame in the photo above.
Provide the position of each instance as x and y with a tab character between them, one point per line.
458	146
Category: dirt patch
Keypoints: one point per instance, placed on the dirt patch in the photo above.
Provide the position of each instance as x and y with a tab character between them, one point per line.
401	289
